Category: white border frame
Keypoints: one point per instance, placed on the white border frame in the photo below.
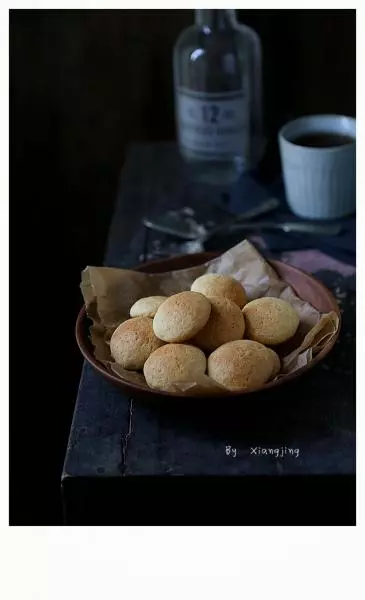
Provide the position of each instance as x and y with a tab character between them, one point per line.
151	562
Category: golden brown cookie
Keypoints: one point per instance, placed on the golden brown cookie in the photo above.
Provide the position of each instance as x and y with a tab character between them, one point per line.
181	316
225	324
270	321
213	284
174	363
146	307
132	342
240	365
276	362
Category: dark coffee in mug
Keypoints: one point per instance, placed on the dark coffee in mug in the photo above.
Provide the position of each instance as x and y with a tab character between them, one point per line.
323	140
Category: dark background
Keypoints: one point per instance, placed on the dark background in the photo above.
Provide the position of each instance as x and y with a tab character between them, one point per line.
83	85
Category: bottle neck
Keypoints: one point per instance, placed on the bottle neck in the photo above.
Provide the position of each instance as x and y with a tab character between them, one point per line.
212	20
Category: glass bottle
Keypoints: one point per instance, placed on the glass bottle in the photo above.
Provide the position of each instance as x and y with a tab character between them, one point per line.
217	81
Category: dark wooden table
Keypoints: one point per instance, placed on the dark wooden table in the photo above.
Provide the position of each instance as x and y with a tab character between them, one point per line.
114	439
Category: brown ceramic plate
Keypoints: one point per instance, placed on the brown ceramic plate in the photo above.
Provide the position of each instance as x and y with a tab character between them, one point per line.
306	287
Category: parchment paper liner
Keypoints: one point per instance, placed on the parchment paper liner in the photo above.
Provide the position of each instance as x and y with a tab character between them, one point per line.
109	293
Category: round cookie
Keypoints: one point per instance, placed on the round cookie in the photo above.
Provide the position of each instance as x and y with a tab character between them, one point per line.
174	363
270	321
181	316
132	342
213	284
276	362
225	324
146	307
240	365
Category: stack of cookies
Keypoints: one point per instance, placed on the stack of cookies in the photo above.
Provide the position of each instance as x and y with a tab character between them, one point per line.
211	329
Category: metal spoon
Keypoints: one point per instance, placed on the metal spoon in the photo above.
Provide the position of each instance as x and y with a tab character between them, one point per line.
188	229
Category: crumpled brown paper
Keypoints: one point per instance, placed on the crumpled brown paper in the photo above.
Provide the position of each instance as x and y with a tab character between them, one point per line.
109	293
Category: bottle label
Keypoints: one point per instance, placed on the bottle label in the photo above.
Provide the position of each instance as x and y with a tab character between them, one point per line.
213	126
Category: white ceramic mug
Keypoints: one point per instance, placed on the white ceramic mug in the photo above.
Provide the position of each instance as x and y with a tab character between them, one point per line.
320	182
